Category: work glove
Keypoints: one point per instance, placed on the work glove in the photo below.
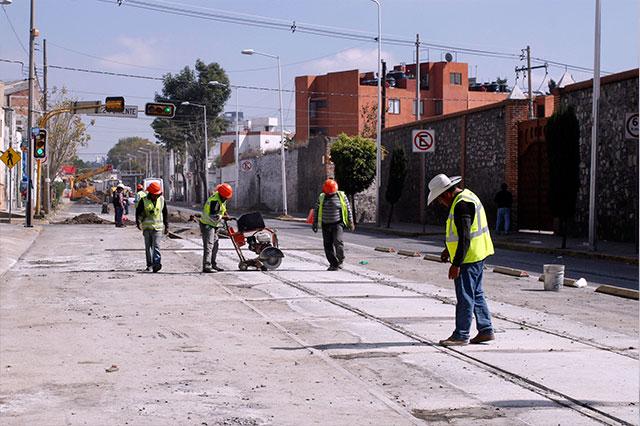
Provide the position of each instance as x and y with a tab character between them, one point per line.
444	256
314	227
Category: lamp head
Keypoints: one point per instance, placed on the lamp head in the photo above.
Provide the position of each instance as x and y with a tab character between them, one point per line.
248	52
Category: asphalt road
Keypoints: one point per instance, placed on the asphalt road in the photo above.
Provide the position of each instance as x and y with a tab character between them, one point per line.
596	272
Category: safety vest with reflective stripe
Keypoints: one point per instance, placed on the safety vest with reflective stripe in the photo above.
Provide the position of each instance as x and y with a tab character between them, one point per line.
139	196
343	208
206	210
153	214
481	245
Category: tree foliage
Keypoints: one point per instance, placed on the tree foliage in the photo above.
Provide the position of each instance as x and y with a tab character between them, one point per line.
397	176
187	127
65	133
126	155
562	134
355	164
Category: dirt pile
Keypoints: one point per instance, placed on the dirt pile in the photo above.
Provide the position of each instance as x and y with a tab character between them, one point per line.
85	219
179	217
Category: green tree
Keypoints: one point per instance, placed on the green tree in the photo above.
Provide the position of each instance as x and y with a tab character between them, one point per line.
562	133
355	165
397	176
186	129
66	133
126	155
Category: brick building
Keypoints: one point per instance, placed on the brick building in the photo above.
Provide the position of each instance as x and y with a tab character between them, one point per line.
337	102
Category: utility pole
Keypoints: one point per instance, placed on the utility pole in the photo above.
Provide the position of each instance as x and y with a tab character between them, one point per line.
45	106
528	69
595	110
423	159
32	36
383	116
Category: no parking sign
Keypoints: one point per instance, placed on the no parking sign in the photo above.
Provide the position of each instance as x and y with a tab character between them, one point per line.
423	140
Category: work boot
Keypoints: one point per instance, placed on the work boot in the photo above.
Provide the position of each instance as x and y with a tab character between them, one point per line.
217	268
157	267
207	270
453	341
148	269
483	337
332	268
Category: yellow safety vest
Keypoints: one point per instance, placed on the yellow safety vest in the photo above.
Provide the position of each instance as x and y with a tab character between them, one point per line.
481	245
139	196
206	210
153	214
343	208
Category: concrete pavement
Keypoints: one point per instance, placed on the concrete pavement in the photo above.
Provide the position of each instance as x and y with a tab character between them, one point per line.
299	345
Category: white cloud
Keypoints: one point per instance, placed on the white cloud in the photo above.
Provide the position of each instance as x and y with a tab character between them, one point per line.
133	52
355	58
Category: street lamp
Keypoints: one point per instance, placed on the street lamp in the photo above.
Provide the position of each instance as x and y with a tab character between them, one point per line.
146	164
282	141
237	148
206	147
379	123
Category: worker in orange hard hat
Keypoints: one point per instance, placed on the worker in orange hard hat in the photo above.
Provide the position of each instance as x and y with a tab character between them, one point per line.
332	214
213	212
140	193
153	219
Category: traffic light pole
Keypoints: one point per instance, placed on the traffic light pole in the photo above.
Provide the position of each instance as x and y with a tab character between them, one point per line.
32	36
38	213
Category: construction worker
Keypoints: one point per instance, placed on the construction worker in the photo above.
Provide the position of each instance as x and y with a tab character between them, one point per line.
153	219
468	244
140	193
332	214
213	212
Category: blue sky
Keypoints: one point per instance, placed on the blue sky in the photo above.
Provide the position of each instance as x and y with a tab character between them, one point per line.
99	35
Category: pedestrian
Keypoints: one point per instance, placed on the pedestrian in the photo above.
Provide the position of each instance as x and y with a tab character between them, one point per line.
332	214
503	200
139	194
468	244
118	204
153	219
126	195
213	212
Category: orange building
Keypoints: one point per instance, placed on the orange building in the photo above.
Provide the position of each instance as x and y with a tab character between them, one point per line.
342	101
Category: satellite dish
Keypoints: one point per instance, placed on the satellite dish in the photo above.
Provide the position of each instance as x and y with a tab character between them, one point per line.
448	57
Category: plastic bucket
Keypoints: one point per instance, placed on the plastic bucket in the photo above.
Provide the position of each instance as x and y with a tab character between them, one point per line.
553	277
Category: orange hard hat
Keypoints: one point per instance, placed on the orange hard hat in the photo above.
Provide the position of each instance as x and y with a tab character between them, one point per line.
139	187
225	190
330	186
154	188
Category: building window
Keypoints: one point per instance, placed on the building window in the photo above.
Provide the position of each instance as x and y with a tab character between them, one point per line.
421	108
394	106
455	78
438	107
424	81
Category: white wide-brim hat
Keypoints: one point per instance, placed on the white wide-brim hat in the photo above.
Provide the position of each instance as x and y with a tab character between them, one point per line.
439	184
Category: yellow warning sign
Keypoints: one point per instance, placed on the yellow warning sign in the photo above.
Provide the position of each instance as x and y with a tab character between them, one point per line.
10	157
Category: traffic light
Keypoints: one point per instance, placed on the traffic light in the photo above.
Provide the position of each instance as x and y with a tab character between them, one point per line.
160	110
40	144
114	104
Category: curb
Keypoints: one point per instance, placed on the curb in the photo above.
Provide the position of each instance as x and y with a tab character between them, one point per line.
565	252
510	271
385	249
409	253
618	291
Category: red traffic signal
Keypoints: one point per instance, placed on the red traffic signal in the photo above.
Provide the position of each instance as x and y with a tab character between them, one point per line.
40	144
160	110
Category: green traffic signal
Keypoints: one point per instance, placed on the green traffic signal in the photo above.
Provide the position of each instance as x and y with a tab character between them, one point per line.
156	109
40	144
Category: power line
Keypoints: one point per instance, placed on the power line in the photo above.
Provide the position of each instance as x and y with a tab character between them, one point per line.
14	30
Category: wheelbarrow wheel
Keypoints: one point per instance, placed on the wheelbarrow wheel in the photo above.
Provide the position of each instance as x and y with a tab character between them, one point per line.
242	266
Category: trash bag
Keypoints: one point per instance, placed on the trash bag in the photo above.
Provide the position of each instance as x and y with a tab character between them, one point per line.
310	216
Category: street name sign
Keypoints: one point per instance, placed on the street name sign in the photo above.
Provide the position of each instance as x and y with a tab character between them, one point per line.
423	140
631	126
10	157
130	111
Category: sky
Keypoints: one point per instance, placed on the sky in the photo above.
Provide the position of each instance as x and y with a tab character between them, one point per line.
104	37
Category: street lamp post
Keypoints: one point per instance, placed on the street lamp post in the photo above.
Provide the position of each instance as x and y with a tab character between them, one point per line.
237	148
146	161
379	121
206	147
282	141
33	33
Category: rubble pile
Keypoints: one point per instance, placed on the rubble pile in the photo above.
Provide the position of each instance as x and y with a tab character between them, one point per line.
85	219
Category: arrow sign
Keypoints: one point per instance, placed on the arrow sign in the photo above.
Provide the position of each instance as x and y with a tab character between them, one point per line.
423	140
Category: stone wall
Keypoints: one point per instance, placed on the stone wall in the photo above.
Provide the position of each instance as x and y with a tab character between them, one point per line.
617	158
473	144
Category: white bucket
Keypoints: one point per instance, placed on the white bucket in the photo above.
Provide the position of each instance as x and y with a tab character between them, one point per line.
553	277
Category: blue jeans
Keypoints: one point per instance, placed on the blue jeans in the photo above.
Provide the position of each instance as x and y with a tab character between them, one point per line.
504	218
471	301
119	211
152	246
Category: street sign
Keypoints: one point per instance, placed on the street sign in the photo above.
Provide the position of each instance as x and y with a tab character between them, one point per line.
423	140
10	157
130	111
85	107
246	165
631	126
